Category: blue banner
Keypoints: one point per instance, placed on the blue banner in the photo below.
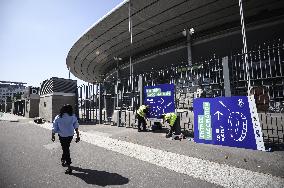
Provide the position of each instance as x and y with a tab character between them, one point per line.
160	98
227	121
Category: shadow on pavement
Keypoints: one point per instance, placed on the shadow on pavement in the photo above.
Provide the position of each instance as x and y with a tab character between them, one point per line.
163	130
101	178
274	147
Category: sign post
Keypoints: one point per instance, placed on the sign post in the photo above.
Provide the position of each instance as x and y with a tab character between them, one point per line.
227	121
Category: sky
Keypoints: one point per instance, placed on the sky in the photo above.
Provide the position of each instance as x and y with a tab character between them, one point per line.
36	36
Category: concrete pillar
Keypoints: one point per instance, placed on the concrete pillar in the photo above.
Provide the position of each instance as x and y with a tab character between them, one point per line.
226	76
140	89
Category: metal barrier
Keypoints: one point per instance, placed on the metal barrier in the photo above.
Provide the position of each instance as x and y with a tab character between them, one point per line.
272	127
88	106
205	78
266	72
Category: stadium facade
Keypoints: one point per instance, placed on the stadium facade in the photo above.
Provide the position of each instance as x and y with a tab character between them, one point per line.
195	44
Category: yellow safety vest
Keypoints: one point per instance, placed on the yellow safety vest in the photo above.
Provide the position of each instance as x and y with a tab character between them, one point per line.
171	117
140	111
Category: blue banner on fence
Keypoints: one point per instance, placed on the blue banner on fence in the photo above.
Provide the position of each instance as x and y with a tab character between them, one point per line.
160	98
227	121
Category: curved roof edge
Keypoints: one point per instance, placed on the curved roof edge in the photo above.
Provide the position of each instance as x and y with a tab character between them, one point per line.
89	29
156	25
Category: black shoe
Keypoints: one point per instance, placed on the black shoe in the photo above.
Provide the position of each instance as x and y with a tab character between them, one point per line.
68	171
145	130
177	137
63	163
139	130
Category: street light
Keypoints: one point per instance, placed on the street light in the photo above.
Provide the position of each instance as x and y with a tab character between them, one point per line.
187	33
117	58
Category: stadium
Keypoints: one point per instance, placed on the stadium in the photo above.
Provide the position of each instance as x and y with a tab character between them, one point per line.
206	48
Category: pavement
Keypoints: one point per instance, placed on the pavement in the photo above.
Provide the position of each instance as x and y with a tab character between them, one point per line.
193	165
11	117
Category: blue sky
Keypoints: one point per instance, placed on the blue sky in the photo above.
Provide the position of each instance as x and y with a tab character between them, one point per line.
36	35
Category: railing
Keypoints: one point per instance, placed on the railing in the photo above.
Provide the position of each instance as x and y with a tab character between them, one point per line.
88	106
266	69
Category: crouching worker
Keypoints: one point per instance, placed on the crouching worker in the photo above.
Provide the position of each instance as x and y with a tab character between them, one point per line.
171	119
64	124
141	116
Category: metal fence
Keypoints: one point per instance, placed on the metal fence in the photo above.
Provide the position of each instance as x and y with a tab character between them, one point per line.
88	106
205	78
266	68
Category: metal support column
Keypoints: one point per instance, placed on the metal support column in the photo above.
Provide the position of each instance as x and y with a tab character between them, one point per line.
100	103
140	89
130	56
117	85
76	109
226	76
189	52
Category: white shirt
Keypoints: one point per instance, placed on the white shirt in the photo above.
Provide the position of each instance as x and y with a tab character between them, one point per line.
65	125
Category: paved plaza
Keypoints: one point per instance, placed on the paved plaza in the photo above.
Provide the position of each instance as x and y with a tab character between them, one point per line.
122	157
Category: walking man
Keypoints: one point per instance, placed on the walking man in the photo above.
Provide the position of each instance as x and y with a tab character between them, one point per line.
64	124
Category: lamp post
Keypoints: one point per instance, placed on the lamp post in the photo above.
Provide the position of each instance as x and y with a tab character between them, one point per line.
187	33
130	28
245	44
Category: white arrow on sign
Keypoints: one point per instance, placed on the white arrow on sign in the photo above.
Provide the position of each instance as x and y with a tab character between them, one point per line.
169	104
218	114
161	101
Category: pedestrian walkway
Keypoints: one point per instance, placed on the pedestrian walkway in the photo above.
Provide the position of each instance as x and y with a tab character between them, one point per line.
213	172
224	166
11	117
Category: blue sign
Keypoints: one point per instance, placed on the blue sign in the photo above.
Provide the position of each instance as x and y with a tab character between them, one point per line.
227	121
160	98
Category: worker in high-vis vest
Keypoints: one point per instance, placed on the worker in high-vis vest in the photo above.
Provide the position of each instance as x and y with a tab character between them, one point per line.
141	116
171	119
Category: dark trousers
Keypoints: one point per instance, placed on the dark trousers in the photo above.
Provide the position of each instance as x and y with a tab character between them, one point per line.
171	130
65	144
175	128
141	120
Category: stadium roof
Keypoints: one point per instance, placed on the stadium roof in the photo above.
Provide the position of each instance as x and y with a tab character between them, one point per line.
154	23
